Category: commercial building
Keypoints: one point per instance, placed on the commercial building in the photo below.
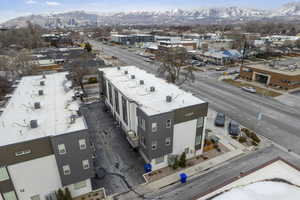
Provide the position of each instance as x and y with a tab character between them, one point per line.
132	39
158	118
280	75
44	143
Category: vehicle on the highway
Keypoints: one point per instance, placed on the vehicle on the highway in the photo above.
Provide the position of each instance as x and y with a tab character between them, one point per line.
220	119
234	128
249	89
220	68
147	60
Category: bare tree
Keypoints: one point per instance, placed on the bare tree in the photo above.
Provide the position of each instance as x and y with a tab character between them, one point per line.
81	67
173	65
4	86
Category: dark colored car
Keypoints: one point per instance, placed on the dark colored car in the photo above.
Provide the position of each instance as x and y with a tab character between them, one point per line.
220	119
234	128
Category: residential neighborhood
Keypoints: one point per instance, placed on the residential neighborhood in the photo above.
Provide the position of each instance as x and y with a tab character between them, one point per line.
183	104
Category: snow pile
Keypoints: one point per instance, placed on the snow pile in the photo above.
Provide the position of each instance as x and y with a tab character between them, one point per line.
266	190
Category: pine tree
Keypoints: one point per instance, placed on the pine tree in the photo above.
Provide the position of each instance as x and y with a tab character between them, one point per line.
60	194
182	160
68	195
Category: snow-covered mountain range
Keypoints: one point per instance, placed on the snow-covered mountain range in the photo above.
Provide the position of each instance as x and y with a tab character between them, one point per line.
176	16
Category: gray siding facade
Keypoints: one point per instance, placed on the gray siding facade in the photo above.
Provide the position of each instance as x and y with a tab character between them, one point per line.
159	136
73	156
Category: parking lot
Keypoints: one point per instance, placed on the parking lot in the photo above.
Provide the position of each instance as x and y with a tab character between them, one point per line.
117	165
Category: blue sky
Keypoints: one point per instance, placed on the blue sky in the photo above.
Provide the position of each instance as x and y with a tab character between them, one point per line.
14	8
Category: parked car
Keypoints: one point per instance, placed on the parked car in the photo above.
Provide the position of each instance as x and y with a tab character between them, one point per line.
249	89
234	128
220	119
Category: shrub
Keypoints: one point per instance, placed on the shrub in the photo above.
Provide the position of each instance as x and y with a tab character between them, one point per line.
176	163
254	143
242	139
255	138
182	160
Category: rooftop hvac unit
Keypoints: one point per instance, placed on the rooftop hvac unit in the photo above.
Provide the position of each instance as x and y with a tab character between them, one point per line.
37	105
132	76
33	124
126	72
168	99
152	89
41	92
142	82
42	83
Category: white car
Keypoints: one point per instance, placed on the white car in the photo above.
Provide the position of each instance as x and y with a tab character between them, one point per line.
249	89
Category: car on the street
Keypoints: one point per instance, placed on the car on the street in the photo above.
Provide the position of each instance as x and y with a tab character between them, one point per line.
234	128
147	60
249	89
220	119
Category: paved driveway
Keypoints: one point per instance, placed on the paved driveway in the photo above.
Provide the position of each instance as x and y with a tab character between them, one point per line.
117	165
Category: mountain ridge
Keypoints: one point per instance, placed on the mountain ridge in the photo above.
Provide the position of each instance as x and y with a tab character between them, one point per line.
175	16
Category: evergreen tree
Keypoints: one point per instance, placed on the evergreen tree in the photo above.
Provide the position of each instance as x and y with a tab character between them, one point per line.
182	160
60	194
67	194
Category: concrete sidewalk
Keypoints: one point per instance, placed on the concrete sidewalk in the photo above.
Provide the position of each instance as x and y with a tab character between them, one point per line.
198	170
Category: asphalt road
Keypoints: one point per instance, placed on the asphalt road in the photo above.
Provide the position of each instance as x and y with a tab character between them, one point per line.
116	164
280	123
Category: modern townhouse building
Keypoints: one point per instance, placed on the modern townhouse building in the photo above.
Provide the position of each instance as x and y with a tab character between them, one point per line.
159	119
44	143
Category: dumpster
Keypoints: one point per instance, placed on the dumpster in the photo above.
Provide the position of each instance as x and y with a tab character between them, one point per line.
147	168
183	177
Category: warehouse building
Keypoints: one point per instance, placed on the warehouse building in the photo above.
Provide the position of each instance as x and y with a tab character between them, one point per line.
158	118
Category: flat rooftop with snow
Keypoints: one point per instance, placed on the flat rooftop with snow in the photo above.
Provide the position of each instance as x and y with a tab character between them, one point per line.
153	95
40	107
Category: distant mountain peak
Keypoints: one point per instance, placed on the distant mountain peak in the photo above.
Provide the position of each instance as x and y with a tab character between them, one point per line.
174	16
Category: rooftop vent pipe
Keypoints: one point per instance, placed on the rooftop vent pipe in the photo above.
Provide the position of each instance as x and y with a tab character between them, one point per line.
132	76
33	124
42	83
152	89
41	92
37	105
142	82
168	99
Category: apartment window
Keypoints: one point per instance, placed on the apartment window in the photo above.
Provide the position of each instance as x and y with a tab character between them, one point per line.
154	127
117	101
186	150
168	141
79	185
198	139
10	195
169	123
143	124
82	144
110	94
21	153
160	160
154	145
124	107
85	164
35	197
200	122
67	170
3	174
62	149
